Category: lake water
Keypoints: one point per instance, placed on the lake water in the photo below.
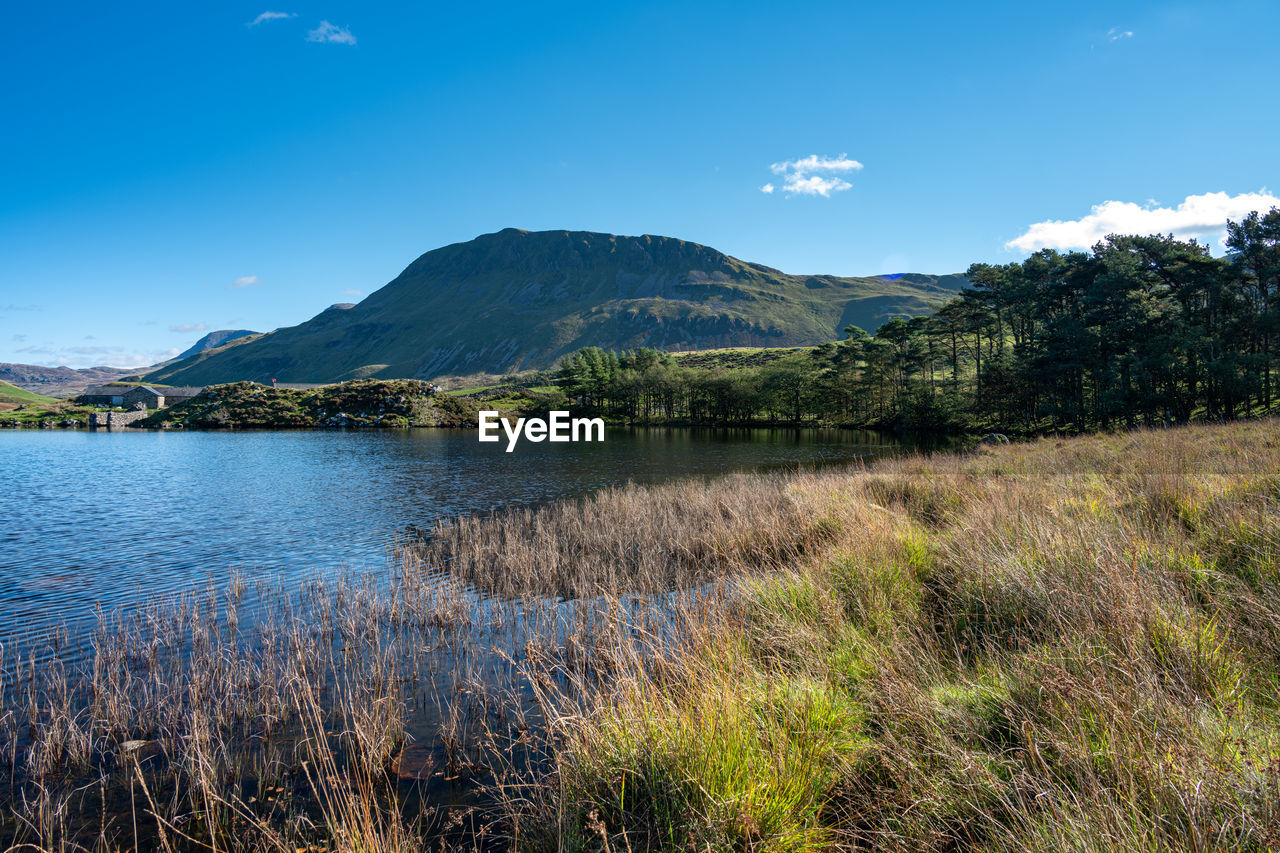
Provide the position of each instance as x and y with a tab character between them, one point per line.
114	519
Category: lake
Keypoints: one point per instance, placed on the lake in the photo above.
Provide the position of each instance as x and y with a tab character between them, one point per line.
114	519
440	677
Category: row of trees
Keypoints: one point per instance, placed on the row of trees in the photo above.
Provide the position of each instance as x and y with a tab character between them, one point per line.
647	385
1141	330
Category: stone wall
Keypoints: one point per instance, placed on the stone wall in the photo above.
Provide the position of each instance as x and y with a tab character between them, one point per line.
115	420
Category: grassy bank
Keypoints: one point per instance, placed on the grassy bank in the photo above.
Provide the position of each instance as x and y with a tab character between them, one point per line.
22	408
1058	645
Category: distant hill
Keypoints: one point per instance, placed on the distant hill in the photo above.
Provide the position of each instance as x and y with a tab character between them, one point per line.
518	299
59	381
213	339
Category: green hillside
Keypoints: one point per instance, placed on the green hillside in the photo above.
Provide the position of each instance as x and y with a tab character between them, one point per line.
735	357
517	300
13	395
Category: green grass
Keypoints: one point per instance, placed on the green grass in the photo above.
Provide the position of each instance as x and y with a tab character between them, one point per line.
461	392
21	408
19	396
732	766
60	415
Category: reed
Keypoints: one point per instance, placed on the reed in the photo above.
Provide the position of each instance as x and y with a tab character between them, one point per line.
1057	645
1063	644
631	539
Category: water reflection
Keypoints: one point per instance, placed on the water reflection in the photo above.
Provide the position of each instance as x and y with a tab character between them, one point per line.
113	519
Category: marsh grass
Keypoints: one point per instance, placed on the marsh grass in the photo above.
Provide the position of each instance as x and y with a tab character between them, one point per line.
628	539
1059	645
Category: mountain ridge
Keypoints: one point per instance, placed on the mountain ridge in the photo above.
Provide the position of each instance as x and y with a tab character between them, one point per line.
518	299
59	381
212	340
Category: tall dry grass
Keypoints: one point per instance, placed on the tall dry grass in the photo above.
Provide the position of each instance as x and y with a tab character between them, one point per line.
1056	645
630	539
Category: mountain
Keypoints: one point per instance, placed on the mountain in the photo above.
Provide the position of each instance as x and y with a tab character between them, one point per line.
59	381
214	339
518	299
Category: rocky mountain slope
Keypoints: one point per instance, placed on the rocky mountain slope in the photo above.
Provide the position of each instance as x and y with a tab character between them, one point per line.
214	339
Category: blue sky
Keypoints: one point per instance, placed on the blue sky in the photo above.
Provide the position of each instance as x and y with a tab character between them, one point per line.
170	168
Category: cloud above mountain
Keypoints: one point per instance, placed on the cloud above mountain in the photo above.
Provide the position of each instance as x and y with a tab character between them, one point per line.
1196	217
813	175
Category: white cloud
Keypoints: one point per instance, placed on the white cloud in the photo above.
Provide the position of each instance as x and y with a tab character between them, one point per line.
271	16
90	356
814	185
328	33
351	291
1115	34
189	327
1197	216
813	175
244	281
814	163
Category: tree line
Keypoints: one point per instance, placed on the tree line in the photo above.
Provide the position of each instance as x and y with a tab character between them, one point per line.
1141	330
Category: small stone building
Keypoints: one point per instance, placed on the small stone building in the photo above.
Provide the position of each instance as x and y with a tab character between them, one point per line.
144	394
130	396
103	395
180	394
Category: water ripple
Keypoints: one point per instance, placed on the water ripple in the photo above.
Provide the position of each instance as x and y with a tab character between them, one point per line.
113	520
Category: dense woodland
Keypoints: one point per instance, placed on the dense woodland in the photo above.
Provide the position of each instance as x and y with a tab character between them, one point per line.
1139	331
